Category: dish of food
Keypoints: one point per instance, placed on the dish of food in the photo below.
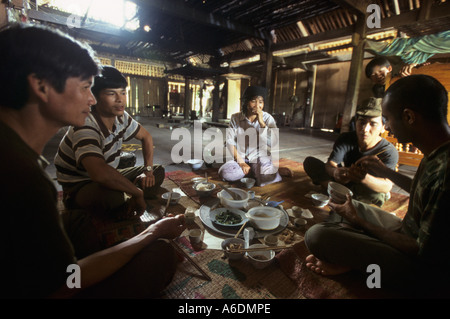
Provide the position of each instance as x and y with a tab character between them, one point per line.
203	186
228	217
205	216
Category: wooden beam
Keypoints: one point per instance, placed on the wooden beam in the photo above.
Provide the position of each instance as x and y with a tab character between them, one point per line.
358	6
62	19
105	28
396	7
187	98
425	8
267	72
177	8
3	17
312	75
351	98
395	21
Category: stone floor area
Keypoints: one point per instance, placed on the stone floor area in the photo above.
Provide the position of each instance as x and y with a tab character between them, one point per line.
295	143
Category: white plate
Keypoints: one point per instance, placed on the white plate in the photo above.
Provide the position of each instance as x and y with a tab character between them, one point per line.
217	211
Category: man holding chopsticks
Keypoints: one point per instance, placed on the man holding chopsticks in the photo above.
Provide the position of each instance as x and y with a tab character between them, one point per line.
350	147
412	254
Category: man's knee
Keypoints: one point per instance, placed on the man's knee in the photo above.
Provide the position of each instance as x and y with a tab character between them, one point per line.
231	171
164	262
321	236
315	169
314	237
160	173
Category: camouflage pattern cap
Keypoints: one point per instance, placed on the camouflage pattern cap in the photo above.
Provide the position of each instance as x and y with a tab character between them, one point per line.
370	107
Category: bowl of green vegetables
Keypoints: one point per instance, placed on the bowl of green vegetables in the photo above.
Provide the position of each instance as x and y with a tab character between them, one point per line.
229	217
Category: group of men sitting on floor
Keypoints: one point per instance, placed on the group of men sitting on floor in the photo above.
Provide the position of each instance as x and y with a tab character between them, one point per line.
59	82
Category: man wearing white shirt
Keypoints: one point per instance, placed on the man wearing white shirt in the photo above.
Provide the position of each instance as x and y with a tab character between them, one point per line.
251	135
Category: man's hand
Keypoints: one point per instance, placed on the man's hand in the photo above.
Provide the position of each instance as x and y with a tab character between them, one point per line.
147	179
356	173
245	167
340	175
407	68
260	118
169	227
373	165
347	211
136	206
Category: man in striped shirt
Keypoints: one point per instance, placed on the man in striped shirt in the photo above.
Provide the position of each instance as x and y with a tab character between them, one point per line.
88	156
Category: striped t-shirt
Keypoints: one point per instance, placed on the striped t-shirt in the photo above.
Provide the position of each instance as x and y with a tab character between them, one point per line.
92	139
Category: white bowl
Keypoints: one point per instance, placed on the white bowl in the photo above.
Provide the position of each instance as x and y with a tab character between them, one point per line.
173	200
264	217
195	163
320	200
209	188
296	211
233	256
255	256
300	223
248	182
338	192
228	201
271	240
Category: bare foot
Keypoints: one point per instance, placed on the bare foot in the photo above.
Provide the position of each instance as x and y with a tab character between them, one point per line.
285	172
323	268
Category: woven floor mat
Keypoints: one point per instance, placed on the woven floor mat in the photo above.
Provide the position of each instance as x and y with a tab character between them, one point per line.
230	279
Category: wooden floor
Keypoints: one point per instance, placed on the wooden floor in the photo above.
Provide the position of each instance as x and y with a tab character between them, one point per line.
295	144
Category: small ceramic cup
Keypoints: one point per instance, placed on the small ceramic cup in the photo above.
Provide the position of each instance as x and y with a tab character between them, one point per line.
271	240
300	223
195	236
189	215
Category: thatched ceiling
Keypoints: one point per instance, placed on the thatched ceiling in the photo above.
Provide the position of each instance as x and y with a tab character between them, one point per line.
214	31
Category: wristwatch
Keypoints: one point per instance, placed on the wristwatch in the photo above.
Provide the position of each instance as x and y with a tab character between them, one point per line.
148	168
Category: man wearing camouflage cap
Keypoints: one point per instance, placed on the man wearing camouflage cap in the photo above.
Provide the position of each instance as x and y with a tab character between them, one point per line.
412	255
351	146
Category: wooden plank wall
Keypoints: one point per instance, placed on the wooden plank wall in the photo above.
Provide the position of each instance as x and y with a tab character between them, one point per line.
331	87
143	92
288	83
330	90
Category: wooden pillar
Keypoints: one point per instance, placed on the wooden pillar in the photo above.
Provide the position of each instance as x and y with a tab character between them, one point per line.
351	98
267	73
201	98
187	99
3	17
216	100
309	105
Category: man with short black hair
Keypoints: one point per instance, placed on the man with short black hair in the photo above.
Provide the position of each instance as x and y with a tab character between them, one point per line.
379	70
413	254
252	157
45	84
89	155
350	147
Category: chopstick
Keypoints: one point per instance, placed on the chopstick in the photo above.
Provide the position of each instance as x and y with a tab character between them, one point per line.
239	231
258	249
360	165
167	204
232	194
380	152
178	248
